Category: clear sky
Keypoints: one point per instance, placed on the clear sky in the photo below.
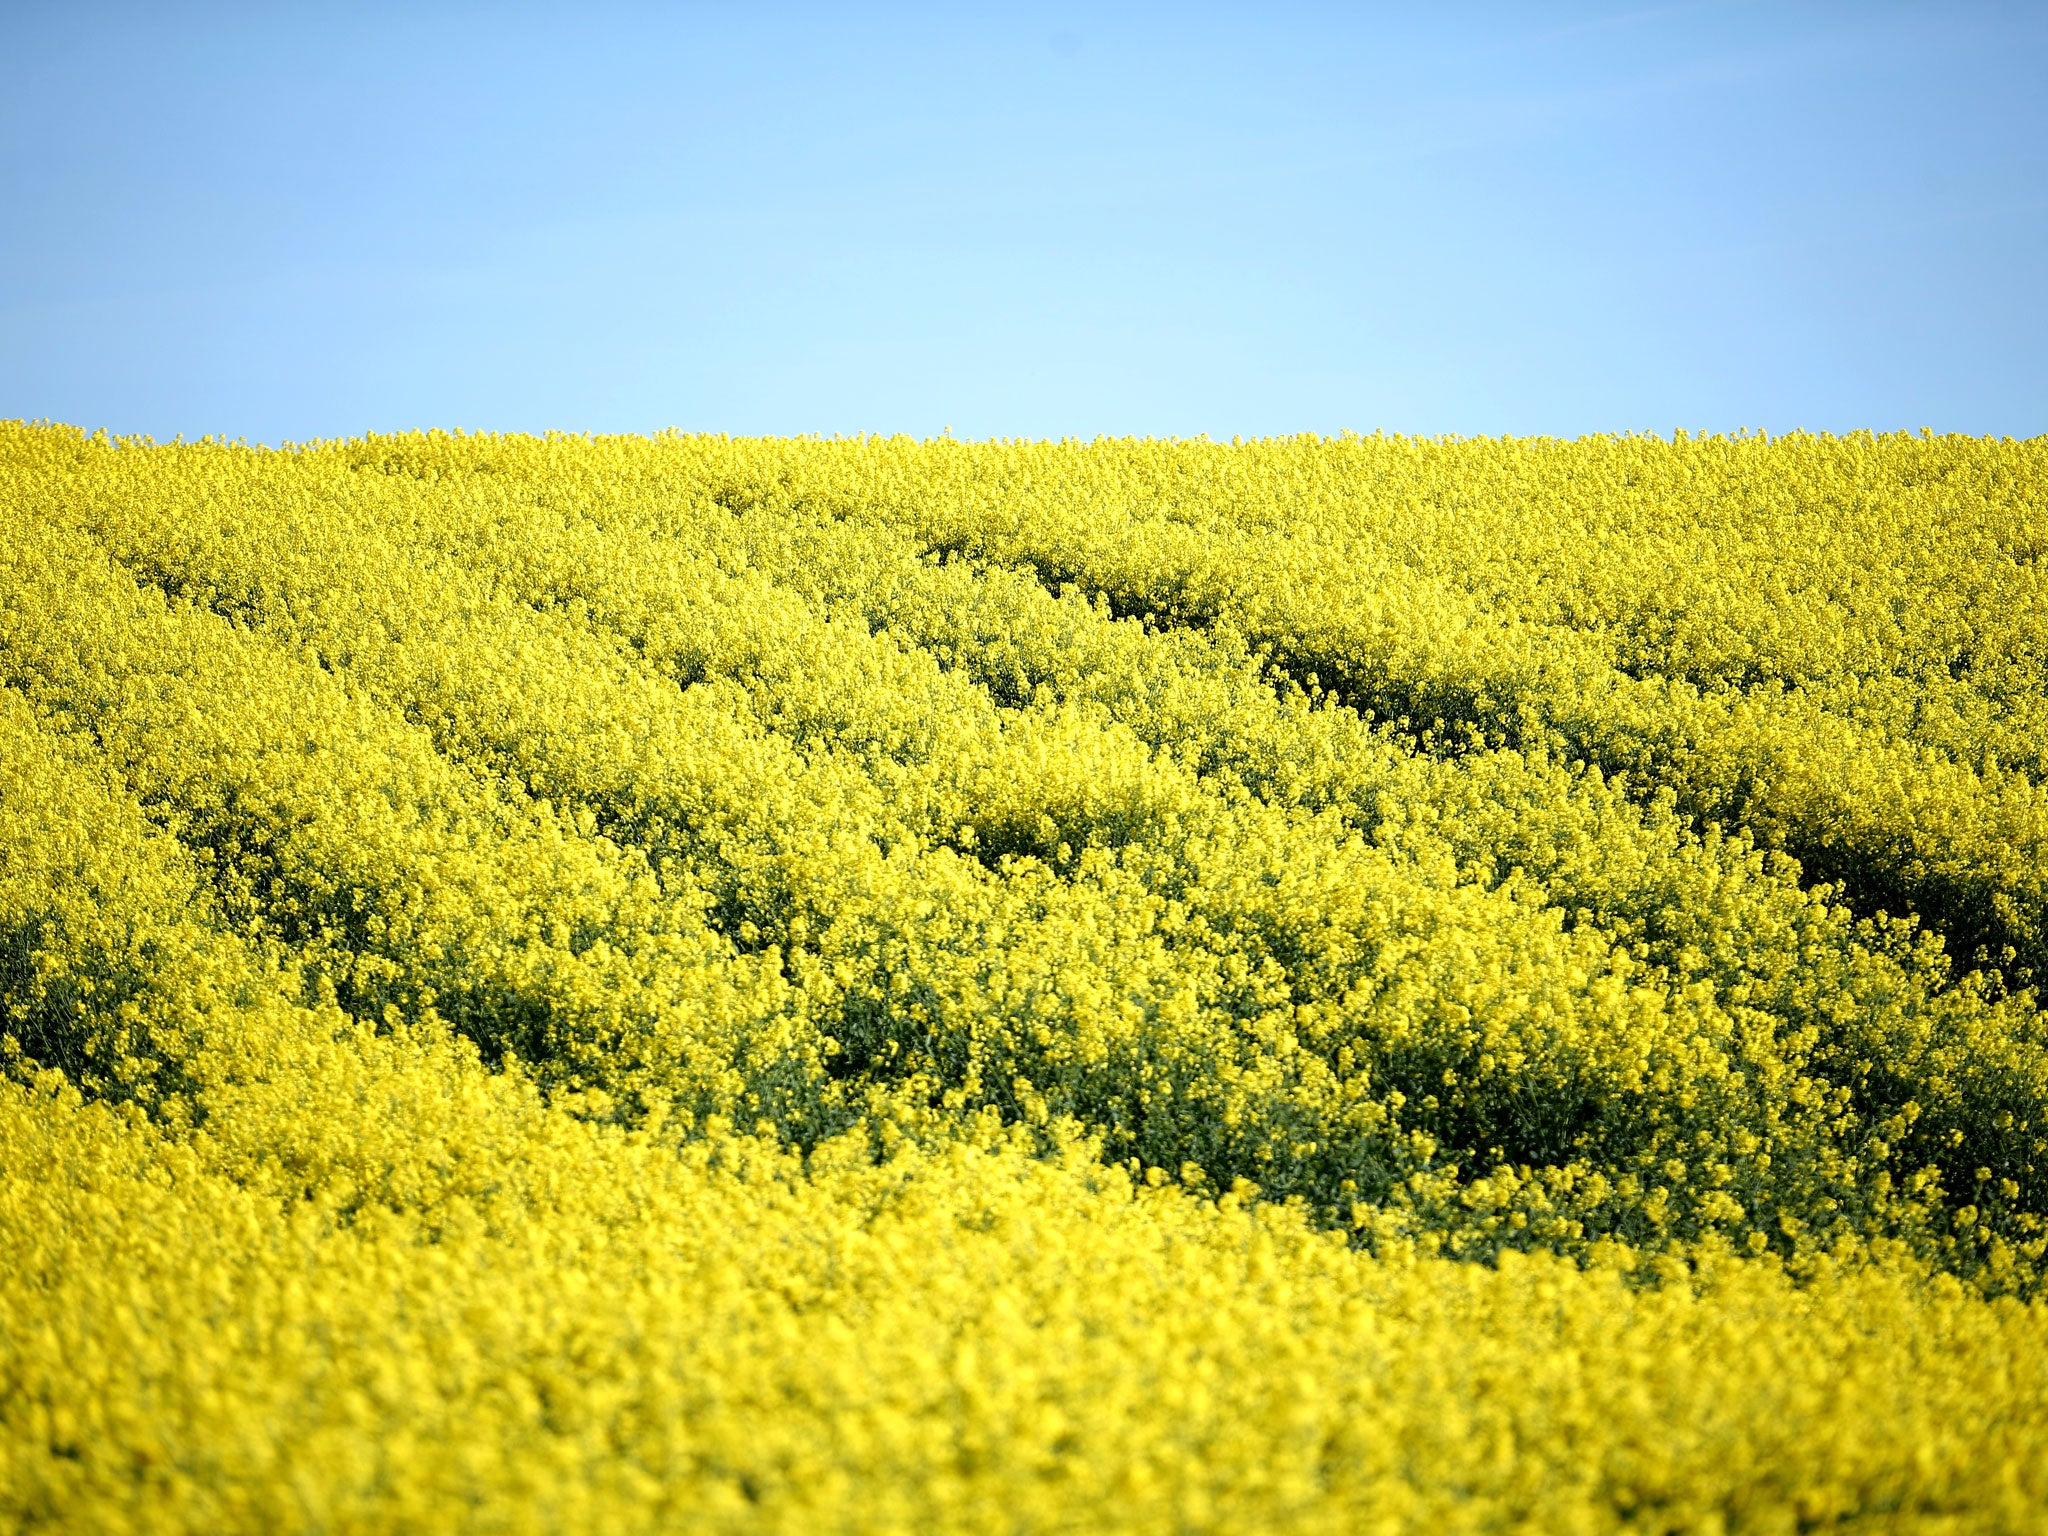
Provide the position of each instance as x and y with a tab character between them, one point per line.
294	221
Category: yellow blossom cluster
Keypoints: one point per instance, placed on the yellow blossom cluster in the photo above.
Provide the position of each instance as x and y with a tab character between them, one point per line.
872	985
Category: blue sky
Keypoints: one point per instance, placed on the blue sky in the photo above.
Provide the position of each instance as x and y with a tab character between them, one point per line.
290	222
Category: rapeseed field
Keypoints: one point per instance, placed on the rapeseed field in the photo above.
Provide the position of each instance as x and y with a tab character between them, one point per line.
868	985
